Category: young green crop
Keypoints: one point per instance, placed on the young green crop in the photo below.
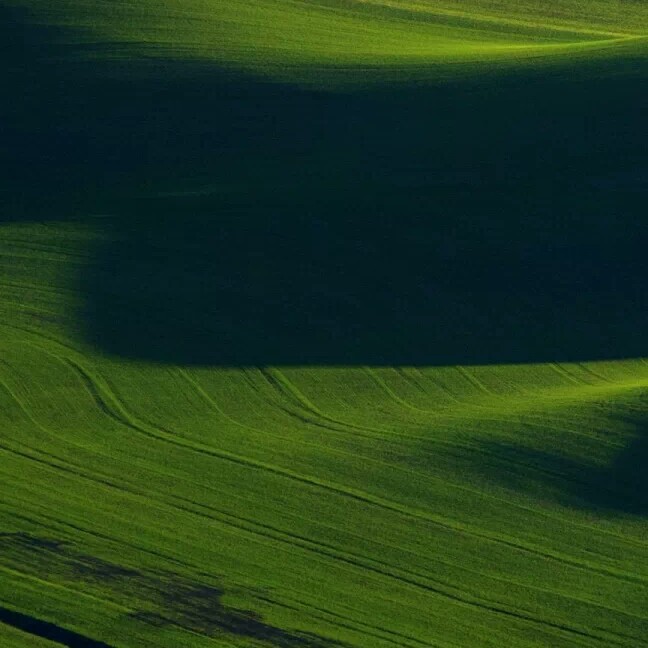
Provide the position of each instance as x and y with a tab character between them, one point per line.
147	504
306	41
322	324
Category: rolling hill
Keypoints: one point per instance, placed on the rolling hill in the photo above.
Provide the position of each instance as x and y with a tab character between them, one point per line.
310	40
323	324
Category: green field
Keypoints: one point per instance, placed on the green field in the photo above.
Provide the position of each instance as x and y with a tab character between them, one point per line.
323	324
311	40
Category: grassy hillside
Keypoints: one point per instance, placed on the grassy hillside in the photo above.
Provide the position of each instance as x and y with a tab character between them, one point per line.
309	40
159	505
322	324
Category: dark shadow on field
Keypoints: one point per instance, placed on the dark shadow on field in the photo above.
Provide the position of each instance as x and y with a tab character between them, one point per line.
619	485
255	223
46	630
157	599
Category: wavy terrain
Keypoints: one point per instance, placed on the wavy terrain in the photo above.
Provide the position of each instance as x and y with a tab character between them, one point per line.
150	505
310	40
323	324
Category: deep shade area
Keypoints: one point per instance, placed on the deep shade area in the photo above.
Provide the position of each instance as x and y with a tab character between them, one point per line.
255	223
167	600
619	486
48	630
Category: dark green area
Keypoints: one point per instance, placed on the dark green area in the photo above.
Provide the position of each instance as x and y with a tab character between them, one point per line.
618	483
170	230
485	221
45	630
165	599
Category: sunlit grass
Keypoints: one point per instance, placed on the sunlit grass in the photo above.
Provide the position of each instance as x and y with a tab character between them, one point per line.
286	38
172	210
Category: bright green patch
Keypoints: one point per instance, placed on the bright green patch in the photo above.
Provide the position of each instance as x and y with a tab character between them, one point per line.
283	38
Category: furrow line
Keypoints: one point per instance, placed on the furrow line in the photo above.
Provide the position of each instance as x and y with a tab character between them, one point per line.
411	581
423	475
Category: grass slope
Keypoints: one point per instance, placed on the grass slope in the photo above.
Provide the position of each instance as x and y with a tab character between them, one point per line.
286	367
16	639
301	40
150	505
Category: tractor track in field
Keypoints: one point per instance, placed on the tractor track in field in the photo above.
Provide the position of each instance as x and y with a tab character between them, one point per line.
98	394
170	437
